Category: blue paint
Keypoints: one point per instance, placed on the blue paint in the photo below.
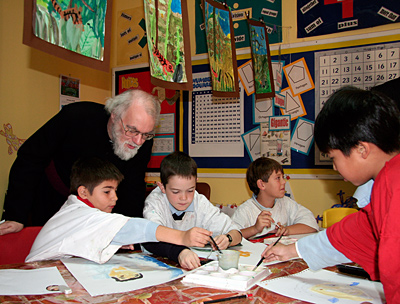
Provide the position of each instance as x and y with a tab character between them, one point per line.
354	284
176	6
333	300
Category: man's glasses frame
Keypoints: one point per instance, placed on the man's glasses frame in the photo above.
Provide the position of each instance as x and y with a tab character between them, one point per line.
132	132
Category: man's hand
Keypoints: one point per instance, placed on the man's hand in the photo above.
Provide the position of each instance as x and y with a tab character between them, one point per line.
188	259
10	227
279	252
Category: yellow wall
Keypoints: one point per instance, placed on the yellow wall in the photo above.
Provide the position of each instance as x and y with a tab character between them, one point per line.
29	96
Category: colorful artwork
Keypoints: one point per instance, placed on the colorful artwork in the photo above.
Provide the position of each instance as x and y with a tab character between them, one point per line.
12	140
168	43
78	26
270	11
261	56
221	49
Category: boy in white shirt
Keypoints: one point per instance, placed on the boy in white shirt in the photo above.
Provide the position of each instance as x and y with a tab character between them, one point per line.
85	227
269	210
175	203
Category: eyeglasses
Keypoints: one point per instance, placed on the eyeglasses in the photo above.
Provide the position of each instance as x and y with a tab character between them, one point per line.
132	132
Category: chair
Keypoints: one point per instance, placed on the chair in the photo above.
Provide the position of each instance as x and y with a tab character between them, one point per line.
204	188
201	187
15	247
334	215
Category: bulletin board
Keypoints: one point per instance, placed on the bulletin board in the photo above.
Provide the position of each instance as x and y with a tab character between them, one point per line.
166	139
378	62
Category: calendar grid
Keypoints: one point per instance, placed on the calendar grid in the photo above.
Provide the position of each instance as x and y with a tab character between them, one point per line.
362	67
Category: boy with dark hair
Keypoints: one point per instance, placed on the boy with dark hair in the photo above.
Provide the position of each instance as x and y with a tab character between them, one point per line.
360	130
85	226
175	203
269	210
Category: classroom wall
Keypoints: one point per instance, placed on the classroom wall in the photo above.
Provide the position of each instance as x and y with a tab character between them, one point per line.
29	96
29	84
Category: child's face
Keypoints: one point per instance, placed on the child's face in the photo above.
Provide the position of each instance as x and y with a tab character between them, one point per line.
180	191
104	196
276	185
351	167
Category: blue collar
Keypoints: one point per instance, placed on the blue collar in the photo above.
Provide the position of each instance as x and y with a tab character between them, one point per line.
174	210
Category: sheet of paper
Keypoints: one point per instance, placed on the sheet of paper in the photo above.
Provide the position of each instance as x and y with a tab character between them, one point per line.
122	273
29	281
302	136
325	286
252	143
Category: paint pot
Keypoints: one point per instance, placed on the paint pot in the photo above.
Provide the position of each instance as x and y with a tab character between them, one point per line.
228	259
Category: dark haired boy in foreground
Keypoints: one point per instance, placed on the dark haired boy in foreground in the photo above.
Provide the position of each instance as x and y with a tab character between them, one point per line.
360	130
85	227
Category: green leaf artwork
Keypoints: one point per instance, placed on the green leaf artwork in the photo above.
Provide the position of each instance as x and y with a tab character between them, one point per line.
78	26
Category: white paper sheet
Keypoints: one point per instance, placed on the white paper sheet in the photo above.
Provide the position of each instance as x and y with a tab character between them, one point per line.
325	286
29	281
97	278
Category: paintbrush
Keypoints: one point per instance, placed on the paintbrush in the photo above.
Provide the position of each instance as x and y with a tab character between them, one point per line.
215	244
262	258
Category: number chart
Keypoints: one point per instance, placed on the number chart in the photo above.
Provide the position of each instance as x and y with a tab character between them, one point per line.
362	67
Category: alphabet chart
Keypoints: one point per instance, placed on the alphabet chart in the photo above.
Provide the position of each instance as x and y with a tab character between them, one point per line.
362	67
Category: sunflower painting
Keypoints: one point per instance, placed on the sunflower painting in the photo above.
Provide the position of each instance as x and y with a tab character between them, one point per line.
221	49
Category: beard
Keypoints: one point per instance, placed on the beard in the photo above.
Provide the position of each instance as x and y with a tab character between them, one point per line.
119	147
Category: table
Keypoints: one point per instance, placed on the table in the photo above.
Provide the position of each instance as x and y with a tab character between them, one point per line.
172	292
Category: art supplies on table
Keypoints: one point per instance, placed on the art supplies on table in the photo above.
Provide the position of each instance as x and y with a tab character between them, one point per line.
240	279
328	287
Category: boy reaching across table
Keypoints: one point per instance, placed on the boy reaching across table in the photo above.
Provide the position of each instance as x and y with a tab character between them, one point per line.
360	131
85	227
175	203
269	210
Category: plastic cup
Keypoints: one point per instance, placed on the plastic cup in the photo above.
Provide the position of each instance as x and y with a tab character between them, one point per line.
228	259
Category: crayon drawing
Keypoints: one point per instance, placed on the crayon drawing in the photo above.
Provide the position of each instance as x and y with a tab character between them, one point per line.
221	49
263	77
122	273
168	42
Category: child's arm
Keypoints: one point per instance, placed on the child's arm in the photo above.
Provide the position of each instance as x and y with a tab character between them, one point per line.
193	237
188	259
264	219
279	252
223	240
294	229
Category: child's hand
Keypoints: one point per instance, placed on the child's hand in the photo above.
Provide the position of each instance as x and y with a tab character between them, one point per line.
129	247
196	237
188	259
282	230
264	219
279	252
222	241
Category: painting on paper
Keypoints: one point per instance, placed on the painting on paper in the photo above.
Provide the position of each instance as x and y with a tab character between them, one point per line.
122	273
78	26
221	49
261	56
168	41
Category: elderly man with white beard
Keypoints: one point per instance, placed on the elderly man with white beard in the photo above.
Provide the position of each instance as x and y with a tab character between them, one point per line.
121	132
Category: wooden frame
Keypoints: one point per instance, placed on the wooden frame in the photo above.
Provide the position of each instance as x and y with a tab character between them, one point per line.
31	40
168	66
221	49
261	59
